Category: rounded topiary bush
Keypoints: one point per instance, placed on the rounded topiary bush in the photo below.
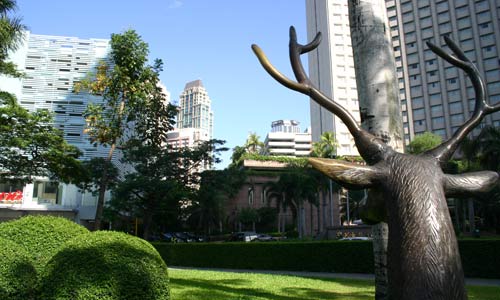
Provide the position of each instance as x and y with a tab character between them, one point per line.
105	265
18	276
40	236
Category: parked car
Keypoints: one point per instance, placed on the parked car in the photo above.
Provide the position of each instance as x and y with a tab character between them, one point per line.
243	236
356	238
181	237
263	238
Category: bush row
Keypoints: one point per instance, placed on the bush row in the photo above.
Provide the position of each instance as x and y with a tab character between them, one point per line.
479	257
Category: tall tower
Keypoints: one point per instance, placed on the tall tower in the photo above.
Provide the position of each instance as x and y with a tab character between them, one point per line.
195	109
52	65
436	96
331	69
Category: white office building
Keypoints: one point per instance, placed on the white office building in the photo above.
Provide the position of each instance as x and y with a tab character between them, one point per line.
286	139
331	69
52	65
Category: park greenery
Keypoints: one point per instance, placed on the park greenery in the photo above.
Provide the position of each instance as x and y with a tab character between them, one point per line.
44	257
196	285
164	188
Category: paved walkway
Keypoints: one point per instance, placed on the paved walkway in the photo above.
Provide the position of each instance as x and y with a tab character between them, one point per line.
468	281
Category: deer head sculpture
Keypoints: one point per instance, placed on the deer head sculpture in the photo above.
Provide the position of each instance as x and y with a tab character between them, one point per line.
423	257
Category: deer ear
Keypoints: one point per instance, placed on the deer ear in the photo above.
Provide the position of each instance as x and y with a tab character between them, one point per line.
470	183
348	174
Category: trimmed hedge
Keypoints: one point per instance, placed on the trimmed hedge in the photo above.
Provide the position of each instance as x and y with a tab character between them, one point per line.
105	265
18	277
479	257
41	236
338	256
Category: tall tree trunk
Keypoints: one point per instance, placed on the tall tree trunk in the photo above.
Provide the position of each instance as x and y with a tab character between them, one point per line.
102	189
472	222
104	179
324	212
457	214
377	87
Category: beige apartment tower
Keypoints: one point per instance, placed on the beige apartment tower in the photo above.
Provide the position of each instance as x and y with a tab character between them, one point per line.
435	96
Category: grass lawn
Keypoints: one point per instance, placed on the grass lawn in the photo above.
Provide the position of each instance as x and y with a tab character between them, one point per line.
197	285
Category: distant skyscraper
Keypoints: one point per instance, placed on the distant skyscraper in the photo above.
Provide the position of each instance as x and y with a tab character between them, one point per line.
286	139
195	108
52	65
331	69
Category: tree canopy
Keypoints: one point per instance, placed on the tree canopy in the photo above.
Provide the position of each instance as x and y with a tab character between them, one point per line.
424	142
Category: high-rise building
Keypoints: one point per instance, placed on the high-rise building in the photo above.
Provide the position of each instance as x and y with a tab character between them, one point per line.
195	108
435	96
331	69
286	139
52	65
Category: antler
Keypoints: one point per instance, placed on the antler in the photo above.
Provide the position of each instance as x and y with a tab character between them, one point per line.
370	147
444	151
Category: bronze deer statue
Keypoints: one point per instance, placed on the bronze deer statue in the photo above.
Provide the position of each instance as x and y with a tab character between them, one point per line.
423	257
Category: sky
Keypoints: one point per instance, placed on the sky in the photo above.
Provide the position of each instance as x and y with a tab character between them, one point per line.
199	39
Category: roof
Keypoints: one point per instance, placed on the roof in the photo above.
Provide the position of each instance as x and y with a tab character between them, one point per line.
192	84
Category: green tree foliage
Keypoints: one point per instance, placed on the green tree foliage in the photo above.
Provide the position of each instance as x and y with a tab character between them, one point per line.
487	145
237	156
11	35
30	146
216	188
126	86
297	186
480	153
424	142
164	180
248	215
326	147
253	143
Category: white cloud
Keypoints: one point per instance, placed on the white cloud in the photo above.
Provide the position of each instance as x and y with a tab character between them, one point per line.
176	4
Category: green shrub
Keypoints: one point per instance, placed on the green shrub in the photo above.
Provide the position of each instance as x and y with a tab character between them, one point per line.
18	276
41	236
480	258
332	256
105	265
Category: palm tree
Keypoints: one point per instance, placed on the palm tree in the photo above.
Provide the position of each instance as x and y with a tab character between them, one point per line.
488	147
11	36
327	145
486	152
253	143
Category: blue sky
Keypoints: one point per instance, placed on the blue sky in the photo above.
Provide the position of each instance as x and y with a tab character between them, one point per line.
199	39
